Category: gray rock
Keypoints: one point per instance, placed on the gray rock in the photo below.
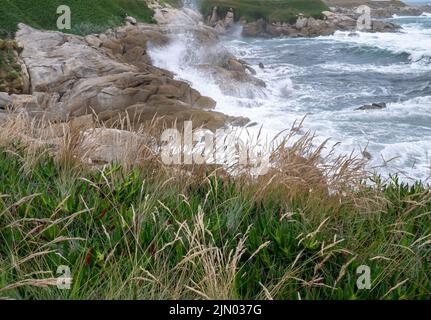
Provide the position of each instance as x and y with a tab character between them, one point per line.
5	100
71	79
131	20
229	19
374	106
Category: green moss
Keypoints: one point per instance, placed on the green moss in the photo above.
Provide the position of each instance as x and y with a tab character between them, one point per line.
87	16
269	10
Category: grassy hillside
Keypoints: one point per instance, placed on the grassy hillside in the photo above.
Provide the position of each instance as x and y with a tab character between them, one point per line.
87	16
270	10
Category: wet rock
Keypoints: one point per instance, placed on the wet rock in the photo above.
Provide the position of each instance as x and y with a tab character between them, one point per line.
130	20
255	29
311	27
301	22
382	26
374	106
205	103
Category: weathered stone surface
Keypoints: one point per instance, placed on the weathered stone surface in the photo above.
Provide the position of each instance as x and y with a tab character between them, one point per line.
71	78
374	106
130	20
170	111
255	29
5	100
204	103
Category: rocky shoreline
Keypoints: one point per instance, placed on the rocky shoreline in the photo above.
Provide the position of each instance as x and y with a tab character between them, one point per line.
111	76
311	27
338	19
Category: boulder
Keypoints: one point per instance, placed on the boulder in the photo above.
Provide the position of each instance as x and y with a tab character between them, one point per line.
301	22
374	106
93	41
328	15
213	19
382	26
254	29
176	16
5	100
235	65
71	79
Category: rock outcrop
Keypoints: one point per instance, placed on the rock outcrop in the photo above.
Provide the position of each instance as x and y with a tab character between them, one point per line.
390	11
109	75
311	27
221	24
379	9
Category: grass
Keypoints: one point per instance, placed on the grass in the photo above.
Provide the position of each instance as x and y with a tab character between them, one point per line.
87	16
149	231
269	10
10	70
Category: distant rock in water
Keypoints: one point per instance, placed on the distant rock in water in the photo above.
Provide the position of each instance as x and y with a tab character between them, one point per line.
374	106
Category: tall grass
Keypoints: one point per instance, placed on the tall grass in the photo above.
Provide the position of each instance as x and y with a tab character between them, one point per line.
141	230
87	16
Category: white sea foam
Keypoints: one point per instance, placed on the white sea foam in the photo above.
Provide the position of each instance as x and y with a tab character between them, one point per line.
401	132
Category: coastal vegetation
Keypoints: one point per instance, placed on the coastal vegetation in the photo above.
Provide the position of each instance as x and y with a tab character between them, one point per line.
150	231
269	10
136	228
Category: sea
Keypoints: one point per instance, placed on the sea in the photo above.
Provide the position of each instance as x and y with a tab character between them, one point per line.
321	81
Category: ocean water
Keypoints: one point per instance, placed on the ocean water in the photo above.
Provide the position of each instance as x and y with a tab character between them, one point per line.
324	79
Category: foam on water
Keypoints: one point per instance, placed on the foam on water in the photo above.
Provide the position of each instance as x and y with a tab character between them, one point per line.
325	79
